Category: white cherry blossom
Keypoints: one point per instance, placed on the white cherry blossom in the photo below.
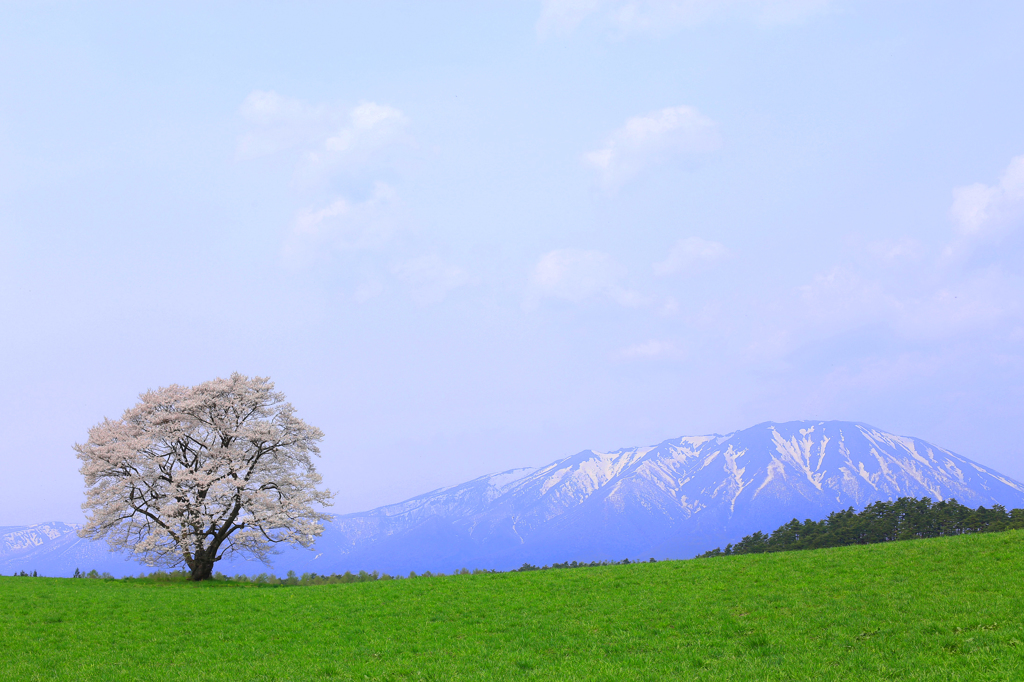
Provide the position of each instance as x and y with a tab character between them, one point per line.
195	474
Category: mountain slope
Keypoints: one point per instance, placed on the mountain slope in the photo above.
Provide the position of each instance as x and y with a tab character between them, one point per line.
671	500
675	499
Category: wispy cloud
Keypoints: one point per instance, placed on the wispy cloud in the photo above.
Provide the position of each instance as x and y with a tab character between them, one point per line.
926	305
337	151
577	276
370	128
650	139
430	278
842	298
341	225
371	125
688	253
277	123
983	212
327	136
890	251
626	17
917	298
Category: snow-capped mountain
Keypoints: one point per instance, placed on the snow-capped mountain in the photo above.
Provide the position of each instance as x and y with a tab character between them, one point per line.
671	500
675	499
47	548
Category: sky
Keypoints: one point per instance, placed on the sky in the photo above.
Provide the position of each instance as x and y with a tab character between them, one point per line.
467	237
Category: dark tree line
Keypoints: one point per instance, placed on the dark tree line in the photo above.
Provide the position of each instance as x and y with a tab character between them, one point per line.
573	564
334	578
906	518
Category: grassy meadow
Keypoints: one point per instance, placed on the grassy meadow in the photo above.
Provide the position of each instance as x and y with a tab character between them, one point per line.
939	609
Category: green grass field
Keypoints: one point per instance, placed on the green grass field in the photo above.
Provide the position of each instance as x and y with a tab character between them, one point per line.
942	609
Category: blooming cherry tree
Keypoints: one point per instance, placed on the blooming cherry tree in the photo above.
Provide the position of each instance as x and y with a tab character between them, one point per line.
195	474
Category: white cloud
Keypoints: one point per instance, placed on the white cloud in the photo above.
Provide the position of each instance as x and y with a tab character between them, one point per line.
342	225
327	135
565	15
985	213
577	276
971	205
625	17
430	278
278	123
652	138
923	305
370	127
267	108
370	123
323	139
688	253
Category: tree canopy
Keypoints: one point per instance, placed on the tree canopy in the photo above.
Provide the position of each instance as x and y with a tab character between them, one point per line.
195	474
905	518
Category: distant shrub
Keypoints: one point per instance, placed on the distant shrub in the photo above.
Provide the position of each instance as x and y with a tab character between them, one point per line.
308	579
165	577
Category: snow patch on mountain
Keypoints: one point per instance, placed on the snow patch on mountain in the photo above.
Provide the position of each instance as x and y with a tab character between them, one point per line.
674	499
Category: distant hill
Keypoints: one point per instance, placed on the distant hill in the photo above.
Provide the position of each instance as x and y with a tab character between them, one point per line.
671	500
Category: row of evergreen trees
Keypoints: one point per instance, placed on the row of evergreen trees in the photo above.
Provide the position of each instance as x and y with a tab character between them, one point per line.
906	518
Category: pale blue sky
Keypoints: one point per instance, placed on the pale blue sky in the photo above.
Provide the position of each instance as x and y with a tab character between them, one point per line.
463	237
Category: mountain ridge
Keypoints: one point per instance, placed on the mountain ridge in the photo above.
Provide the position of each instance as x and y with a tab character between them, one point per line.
673	499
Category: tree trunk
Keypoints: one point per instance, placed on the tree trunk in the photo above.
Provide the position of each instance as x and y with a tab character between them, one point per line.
202	565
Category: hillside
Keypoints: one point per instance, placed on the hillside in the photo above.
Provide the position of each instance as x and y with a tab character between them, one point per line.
673	500
939	609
